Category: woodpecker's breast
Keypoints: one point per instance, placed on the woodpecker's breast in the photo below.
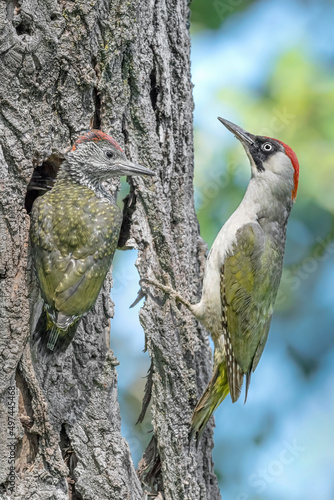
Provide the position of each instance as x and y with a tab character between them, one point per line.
208	310
82	222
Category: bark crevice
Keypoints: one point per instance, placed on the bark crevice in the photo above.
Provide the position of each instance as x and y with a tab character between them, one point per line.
71	462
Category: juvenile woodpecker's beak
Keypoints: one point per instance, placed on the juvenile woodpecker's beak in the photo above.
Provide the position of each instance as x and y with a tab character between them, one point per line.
129	168
244	137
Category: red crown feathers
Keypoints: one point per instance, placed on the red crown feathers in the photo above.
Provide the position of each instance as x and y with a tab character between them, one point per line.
295	163
95	136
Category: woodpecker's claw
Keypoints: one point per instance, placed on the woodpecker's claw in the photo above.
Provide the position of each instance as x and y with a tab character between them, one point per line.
140	296
168	290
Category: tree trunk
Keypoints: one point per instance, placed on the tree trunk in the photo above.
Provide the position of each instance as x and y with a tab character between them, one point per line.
122	67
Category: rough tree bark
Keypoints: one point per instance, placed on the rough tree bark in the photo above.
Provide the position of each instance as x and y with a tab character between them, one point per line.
122	67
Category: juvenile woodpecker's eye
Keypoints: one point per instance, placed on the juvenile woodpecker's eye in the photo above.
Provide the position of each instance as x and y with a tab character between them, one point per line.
109	154
266	147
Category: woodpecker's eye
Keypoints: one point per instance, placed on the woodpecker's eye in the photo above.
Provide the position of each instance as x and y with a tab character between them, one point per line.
266	147
109	154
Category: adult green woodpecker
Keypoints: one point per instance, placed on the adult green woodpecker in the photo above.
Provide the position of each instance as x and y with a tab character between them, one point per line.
243	271
75	229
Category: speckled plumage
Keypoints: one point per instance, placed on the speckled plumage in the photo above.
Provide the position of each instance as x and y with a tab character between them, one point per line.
75	229
74	234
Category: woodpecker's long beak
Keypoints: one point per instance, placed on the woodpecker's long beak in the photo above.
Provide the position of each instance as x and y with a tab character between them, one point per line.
129	168
244	137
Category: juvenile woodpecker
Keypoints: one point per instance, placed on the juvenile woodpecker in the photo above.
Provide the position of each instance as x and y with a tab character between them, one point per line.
75	229
243	271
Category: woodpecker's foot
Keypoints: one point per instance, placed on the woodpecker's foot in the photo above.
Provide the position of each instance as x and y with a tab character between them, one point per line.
168	290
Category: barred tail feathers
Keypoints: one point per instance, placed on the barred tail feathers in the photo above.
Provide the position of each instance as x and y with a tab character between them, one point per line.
214	394
49	338
53	335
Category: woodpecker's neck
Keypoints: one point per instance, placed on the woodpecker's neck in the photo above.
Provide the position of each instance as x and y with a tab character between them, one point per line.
262	203
78	177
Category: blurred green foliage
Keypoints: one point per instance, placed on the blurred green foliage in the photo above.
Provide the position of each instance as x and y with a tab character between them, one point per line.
296	105
211	14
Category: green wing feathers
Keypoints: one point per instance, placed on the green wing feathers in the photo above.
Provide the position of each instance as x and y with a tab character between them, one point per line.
248	289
